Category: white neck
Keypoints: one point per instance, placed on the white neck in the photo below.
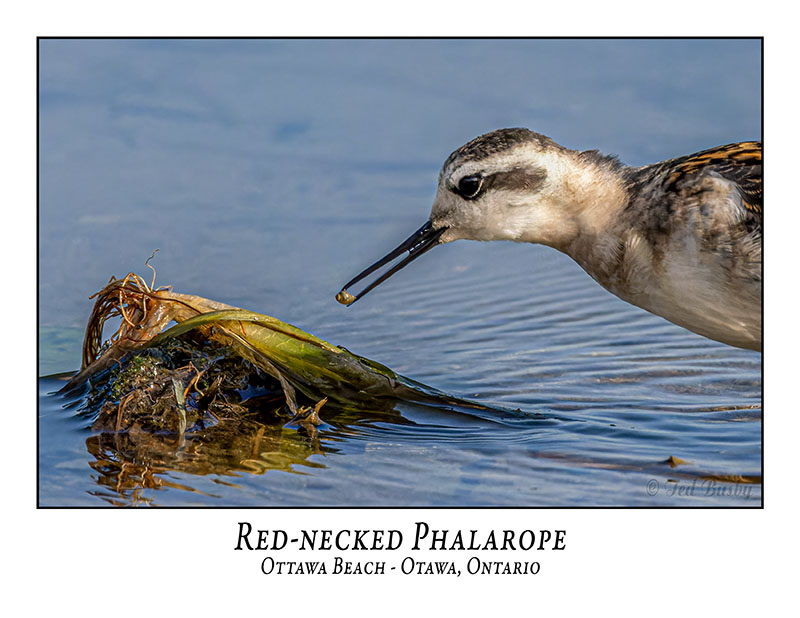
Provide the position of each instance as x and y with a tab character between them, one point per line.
582	203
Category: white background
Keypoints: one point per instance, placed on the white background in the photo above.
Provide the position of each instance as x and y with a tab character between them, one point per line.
626	562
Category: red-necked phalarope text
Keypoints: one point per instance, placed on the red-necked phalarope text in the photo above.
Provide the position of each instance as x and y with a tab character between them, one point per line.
681	238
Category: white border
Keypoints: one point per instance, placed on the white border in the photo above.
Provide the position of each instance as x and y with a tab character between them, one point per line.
630	561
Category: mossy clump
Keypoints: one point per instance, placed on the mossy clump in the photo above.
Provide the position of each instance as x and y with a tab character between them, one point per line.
182	385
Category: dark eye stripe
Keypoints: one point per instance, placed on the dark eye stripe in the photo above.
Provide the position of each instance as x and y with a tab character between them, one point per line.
520	179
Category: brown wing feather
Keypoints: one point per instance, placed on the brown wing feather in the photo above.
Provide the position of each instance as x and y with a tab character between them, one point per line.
739	163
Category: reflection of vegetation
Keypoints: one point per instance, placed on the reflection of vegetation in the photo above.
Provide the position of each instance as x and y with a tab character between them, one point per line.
131	461
223	391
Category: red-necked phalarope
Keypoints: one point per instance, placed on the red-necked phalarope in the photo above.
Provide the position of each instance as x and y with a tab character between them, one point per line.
681	238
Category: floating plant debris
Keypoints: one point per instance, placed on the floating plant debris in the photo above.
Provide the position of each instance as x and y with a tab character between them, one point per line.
190	383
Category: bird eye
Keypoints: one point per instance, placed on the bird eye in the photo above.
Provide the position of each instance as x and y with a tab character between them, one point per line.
469	186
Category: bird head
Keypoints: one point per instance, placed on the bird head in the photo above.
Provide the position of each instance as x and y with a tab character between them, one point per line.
510	184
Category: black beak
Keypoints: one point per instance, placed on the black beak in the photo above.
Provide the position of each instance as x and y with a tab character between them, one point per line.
421	241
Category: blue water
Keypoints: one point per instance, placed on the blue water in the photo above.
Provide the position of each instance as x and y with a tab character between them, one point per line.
268	173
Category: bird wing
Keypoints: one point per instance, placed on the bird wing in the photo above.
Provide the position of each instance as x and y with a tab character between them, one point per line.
738	163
